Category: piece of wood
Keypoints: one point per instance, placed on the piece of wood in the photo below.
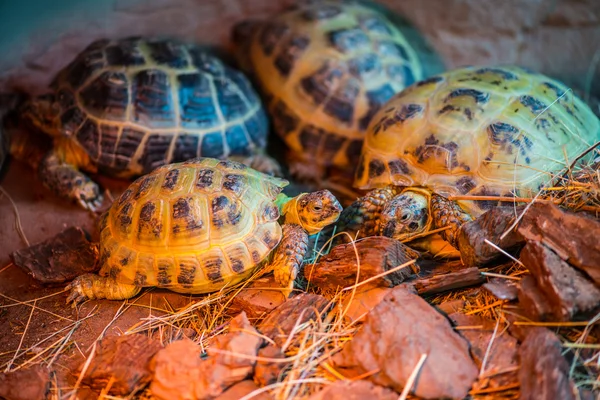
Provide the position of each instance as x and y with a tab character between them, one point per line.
25	384
544	372
377	255
474	251
60	258
568	293
532	300
258	298
122	360
572	236
503	289
453	280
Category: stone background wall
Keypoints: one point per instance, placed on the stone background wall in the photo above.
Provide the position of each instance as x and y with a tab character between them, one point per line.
558	37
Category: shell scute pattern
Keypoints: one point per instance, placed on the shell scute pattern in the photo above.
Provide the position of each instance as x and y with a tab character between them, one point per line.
334	65
474	128
191	224
136	104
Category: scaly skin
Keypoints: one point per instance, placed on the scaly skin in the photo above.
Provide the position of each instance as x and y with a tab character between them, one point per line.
447	213
289	255
92	286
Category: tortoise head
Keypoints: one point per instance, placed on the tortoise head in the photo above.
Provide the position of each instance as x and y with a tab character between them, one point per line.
315	210
43	113
405	215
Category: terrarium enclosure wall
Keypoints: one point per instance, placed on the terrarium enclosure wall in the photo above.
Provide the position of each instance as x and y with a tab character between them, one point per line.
560	38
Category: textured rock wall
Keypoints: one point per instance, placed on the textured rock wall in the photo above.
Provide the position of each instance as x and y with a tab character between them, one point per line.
557	37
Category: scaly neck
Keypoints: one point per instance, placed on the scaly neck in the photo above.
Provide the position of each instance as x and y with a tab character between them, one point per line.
288	208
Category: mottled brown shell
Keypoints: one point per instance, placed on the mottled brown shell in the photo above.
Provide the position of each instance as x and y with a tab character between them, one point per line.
325	68
135	104
477	131
200	224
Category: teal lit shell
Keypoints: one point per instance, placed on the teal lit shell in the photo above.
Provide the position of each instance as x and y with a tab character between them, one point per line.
136	104
191	227
496	131
325	68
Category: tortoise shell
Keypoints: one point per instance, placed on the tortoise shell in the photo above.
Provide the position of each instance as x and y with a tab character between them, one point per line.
200	224
477	131
135	104
325	68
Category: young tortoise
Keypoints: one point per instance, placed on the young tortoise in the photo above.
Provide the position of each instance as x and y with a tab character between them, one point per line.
124	107
197	226
324	69
487	131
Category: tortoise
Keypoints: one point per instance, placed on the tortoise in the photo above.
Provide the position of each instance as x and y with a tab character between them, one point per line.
324	69
474	131
124	107
200	225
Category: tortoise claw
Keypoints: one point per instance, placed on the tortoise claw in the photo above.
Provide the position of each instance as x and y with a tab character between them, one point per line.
77	295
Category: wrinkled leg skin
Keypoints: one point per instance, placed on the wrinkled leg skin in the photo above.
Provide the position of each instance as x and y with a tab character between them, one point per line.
447	213
288	256
66	181
94	287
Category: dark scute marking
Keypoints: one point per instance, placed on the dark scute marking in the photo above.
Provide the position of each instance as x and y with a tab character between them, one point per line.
501	132
124	261
465	184
232	165
284	119
114	272
399	116
205	178
140	279
478	96
212	145
398	167
156	151
237	140
124	217
126	195
401	73
144	187
375	25
341	104
187	273
234	183
364	65
171	179
331	145
468	113
559	92
129	142
257	127
196	105
431	140
147	211
376	168
320	12
353	150
108	95
310	137
448	108
88	62
204	61
535	105
271	33
255	257
88	136
230	100
486	204
166	52
428	81
152	99
234	214
213	269
237	265
186	147
176	229
320	84
181	208
290	51
219	203
505	74
163	274
269	240
109	134
124	53
348	39
71	120
271	212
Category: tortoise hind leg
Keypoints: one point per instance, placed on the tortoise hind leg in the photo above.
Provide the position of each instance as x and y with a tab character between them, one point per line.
289	255
92	286
66	181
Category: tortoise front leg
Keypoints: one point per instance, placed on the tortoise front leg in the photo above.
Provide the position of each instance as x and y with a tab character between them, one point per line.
92	286
448	213
66	181
289	255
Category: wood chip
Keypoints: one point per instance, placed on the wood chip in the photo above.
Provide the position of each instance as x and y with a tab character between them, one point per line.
450	281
